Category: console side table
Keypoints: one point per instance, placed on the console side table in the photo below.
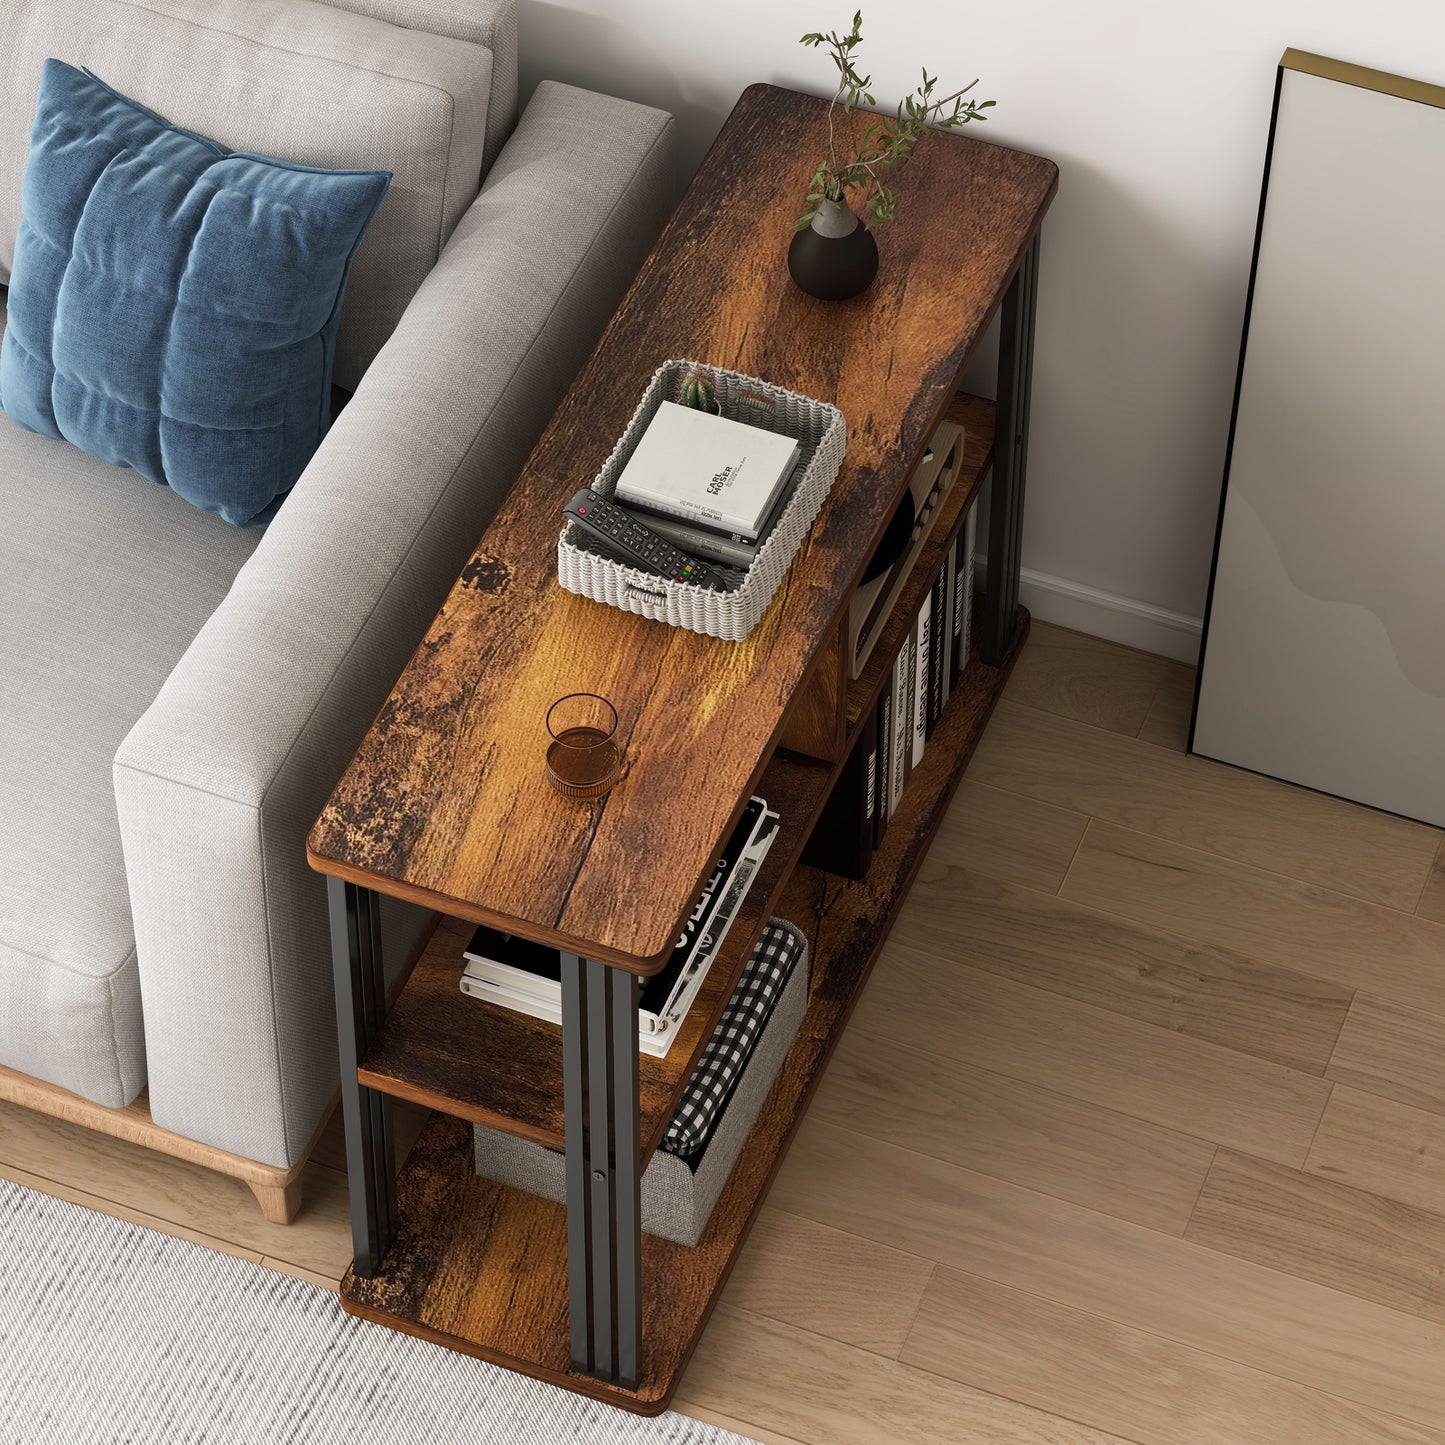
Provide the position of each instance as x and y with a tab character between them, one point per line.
446	803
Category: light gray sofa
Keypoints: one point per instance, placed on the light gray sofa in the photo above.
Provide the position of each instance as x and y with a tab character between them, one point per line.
177	696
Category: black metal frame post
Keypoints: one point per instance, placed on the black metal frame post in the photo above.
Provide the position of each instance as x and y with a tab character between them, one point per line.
360	1008
604	1195
1010	457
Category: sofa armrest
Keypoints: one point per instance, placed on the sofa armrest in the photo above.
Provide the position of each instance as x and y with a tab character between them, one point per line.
219	781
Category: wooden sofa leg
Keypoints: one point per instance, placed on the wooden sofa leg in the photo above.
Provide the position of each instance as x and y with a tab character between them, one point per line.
280	1203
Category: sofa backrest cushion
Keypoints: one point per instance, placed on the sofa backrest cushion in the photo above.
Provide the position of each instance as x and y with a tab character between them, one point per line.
295	79
489	23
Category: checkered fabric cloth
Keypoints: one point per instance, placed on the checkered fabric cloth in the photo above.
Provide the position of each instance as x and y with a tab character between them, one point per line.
726	1054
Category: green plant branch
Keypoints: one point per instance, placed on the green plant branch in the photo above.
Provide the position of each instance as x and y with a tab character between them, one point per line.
888	143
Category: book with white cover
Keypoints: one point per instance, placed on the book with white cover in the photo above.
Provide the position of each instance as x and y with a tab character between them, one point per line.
709	470
532	970
654	1033
902	742
922	633
714	546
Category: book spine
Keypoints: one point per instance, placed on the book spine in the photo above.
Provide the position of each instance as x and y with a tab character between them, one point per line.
870	779
950	597
937	648
748	866
970	544
921	631
902	742
516	979
910	649
961	556
652	1037
660	990
490	992
884	716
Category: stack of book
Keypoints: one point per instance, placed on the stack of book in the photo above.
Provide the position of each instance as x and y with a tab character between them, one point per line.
527	977
712	486
894	735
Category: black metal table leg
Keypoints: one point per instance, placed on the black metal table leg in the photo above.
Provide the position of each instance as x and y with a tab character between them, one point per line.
1010	457
360	1008
604	1215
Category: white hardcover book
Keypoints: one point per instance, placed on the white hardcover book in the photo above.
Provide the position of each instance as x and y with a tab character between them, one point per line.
658	1043
950	592
708	470
902	737
476	986
514	980
921	633
654	1034
655	1044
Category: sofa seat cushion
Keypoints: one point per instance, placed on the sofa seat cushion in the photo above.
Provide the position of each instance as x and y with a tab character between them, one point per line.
104	580
295	79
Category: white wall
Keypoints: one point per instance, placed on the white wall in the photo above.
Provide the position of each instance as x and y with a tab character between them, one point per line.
1156	112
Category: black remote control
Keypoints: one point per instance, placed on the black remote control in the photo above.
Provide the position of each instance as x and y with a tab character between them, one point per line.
635	544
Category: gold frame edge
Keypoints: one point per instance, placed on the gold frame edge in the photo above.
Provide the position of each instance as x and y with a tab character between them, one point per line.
1361	75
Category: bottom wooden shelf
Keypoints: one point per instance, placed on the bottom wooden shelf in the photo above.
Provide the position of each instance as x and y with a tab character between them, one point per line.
483	1269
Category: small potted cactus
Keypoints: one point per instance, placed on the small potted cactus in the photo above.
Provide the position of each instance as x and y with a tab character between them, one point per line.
695	388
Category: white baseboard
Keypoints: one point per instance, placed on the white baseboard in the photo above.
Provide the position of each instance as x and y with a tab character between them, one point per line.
1105	614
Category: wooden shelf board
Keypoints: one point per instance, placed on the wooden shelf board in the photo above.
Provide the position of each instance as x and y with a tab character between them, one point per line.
486	1064
483	1269
976	415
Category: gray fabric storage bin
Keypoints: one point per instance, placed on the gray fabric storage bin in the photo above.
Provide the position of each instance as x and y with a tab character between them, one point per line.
677	1196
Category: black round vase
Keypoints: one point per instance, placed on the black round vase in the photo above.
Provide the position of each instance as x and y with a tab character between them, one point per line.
835	257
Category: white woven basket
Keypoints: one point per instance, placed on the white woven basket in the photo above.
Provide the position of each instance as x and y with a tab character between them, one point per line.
732	614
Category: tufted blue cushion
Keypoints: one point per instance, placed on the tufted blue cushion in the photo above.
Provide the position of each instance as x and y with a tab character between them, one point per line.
173	305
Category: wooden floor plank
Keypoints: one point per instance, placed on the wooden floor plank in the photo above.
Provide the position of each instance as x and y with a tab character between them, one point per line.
1297	925
1201	990
1090	1054
1126	1380
1432	899
1014	1130
1207	805
853	1290
1086	678
816	1389
1167	723
180	1193
1306	1225
1385	1048
1322	1338
1003	835
748	1432
1380	1145
322	1281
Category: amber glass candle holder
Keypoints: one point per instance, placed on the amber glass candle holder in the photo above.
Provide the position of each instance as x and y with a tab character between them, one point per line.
583	759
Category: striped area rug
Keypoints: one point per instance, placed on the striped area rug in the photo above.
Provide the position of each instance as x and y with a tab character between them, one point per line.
111	1333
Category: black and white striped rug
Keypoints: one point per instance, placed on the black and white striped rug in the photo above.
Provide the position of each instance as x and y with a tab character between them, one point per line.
111	1334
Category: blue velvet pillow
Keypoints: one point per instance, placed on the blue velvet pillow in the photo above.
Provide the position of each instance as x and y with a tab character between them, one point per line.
173	305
